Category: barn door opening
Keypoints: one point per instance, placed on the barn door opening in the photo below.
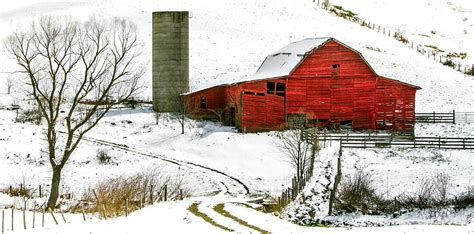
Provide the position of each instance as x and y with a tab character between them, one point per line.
232	116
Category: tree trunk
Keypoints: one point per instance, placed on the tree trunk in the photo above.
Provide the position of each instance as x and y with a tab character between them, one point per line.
54	193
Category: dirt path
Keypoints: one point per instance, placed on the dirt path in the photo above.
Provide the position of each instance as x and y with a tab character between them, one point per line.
227	182
217	216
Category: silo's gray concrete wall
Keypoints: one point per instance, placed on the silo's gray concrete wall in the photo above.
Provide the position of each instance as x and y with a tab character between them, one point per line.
170	54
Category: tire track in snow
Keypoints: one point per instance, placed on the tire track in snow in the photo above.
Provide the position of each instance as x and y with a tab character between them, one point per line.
169	160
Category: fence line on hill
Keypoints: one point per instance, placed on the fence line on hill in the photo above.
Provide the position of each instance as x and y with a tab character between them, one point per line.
397	35
38	213
367	140
290	194
445	117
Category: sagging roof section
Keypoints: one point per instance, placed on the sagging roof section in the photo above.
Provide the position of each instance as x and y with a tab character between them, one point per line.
283	61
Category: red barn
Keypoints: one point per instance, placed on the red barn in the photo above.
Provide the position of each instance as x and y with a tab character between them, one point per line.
321	81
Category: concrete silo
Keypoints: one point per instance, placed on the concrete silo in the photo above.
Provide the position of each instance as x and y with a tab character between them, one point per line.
170	59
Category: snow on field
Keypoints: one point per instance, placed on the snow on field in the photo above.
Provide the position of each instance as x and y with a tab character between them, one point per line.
245	156
165	217
29	165
447	25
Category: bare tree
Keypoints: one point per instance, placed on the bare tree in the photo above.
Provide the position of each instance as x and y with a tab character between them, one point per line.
186	107
68	64
220	114
299	148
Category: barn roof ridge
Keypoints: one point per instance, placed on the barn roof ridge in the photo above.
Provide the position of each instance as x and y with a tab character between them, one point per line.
401	82
283	61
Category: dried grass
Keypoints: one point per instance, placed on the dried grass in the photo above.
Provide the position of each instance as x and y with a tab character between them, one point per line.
124	194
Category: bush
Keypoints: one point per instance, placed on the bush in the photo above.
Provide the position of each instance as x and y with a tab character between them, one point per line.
464	200
29	116
19	191
124	194
357	193
400	37
346	14
457	55
131	103
449	63
103	156
441	185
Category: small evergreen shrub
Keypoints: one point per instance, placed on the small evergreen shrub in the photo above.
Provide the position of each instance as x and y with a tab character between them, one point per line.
103	156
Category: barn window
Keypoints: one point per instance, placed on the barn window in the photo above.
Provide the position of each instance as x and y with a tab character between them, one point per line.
335	69
203	103
271	87
276	88
280	89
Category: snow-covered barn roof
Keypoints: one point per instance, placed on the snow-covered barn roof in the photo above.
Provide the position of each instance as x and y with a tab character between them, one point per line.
283	61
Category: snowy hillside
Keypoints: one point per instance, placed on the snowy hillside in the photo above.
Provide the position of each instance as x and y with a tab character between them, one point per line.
448	25
230	39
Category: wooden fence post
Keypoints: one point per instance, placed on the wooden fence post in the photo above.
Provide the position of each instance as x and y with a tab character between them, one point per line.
62	215
13	218
3	221
337	179
454	116
24	214
42	217
52	215
34	214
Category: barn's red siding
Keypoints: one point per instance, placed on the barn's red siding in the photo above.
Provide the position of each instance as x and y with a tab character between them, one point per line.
215	101
328	95
350	92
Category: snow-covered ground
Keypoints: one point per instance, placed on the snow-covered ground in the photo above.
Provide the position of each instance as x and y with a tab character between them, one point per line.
228	41
448	25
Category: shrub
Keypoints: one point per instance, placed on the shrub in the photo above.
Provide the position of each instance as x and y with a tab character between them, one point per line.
469	71
357	193
400	37
103	156
131	103
466	199
441	185
457	55
19	191
124	194
346	14
29	116
449	63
